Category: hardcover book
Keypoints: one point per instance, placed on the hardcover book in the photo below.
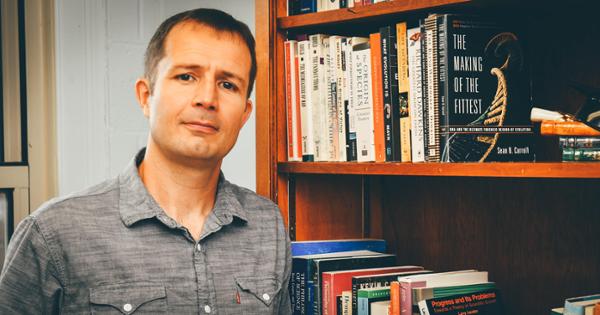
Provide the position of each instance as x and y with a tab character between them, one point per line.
483	302
484	84
367	296
330	246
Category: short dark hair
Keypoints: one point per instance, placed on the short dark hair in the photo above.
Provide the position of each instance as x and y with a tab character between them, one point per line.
215	19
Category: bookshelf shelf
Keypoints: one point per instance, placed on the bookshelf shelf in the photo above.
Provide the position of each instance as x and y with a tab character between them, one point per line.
373	11
522	170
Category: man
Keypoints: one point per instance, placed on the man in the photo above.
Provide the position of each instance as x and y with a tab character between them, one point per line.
169	234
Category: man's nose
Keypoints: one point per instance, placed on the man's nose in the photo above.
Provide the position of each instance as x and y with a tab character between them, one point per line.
206	94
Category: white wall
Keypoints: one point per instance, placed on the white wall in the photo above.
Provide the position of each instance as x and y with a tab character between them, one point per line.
100	48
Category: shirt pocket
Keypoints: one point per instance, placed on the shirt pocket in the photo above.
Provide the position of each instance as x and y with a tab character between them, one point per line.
258	293
130	298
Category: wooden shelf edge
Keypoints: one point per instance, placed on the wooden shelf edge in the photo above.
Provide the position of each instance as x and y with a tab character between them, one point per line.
510	169
351	14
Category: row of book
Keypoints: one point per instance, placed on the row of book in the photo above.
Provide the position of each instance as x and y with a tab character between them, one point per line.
453	88
581	305
356	277
296	7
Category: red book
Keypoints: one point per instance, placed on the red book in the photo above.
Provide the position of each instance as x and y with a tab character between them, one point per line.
378	127
334	282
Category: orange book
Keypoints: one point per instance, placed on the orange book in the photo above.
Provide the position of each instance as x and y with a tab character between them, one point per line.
378	128
394	298
567	128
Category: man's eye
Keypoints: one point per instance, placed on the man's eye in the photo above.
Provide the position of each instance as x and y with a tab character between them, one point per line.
228	85
184	77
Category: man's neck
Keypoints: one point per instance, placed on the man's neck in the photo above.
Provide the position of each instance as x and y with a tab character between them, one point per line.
187	193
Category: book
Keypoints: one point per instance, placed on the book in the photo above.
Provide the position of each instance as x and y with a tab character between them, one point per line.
581	154
395	298
462	277
346	303
483	302
566	128
343	263
578	142
485	90
403	90
376	281
380	307
432	141
292	101
377	92
581	305
430	292
370	295
329	246
351	150
415	96
335	282
301	282
319	95
391	106
363	102
306	105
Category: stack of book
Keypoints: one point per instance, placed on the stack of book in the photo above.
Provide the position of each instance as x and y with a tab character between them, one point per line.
296	7
355	277
448	88
581	305
576	140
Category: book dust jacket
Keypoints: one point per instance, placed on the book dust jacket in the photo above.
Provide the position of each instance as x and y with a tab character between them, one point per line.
484	92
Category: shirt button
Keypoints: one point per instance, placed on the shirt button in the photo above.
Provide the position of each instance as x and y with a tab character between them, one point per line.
207	309
199	248
127	307
266	297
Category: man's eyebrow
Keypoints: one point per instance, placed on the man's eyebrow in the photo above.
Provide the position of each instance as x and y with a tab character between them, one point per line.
195	67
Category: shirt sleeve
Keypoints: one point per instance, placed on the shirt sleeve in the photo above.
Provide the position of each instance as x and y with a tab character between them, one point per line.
285	306
29	282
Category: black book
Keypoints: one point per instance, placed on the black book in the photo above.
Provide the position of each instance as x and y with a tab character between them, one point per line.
391	106
485	90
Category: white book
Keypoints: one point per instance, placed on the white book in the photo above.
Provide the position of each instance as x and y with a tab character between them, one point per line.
349	92
340	97
380	307
415	97
332	112
363	102
319	95
461	277
292	105
333	4
306	105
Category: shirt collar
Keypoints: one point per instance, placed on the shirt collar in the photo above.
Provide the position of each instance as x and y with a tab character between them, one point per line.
136	203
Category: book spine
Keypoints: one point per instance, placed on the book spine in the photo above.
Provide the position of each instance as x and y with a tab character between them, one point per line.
443	86
567	128
363	103
394	298
348	104
328	295
423	308
581	154
432	90
424	88
319	96
415	94
387	97
331	120
377	91
297	110
579	142
306	112
290	74
401	60
340	97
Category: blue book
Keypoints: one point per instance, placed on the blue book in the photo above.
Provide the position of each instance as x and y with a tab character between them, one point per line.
301	286
307	6
330	246
579	305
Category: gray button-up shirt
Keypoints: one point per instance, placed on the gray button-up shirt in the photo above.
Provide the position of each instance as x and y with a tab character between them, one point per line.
112	250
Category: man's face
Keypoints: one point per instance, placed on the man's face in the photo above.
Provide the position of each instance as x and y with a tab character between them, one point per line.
199	103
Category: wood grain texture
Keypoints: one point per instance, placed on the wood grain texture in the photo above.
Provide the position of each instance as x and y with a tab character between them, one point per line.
537	238
378	10
328	207
527	170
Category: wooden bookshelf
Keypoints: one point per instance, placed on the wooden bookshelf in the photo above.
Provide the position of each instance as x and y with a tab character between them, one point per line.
364	13
523	170
533	226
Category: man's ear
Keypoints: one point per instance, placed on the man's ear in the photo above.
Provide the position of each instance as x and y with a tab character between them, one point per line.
247	112
143	93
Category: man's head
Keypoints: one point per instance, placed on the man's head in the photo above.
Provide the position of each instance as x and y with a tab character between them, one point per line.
195	90
215	19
